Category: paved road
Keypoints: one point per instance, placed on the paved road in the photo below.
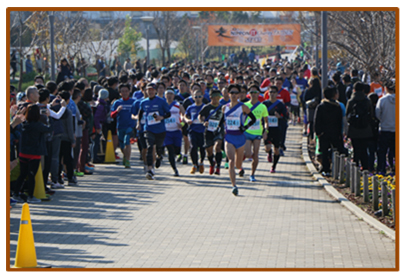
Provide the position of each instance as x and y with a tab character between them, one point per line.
118	219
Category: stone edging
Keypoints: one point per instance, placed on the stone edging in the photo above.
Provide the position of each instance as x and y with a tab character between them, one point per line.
339	197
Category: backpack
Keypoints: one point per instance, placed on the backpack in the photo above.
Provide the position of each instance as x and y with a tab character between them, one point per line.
360	115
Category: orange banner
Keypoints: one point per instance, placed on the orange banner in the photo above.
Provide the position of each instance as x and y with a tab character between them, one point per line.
254	35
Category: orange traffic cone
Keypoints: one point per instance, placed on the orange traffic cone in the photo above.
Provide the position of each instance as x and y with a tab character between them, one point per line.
39	189
110	156
25	255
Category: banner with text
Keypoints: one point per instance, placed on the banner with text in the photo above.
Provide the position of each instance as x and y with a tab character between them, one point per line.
254	35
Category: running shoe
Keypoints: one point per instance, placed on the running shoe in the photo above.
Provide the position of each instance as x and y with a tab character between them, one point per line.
57	185
272	170
241	173
269	157
150	175
158	162
201	168
211	171
117	157
193	170
252	178
33	200
176	174
90	165
89	168
20	198
217	171
72	182
226	165
127	164
184	160
281	153
78	174
223	153
179	159
235	191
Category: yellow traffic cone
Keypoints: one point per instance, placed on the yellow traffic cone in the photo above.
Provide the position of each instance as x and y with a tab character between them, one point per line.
39	189
110	156
25	255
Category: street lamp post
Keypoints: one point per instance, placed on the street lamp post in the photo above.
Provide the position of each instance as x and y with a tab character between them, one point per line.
147	19
201	41
324	48
51	32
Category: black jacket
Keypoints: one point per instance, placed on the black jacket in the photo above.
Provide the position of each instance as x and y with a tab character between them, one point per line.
353	132
342	97
328	119
32	139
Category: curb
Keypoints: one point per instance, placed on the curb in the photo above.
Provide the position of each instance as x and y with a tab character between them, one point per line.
339	197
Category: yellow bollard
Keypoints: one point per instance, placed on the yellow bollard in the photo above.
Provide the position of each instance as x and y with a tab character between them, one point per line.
25	256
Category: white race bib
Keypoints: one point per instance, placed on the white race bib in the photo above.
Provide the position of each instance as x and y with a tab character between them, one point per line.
170	123
272	121
151	120
195	121
233	123
213	124
255	126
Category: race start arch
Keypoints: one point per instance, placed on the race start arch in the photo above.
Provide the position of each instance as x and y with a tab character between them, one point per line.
254	35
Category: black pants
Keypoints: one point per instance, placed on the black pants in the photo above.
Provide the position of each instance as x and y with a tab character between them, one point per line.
47	161
66	153
152	139
360	152
28	168
327	141
387	142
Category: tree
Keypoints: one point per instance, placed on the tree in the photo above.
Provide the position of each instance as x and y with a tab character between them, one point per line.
366	38
168	29
129	43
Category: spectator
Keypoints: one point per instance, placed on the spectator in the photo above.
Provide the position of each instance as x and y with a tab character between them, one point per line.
87	117
13	64
100	118
64	71
386	113
376	86
359	112
127	65
28	64
342	97
327	126
67	143
312	99
373	142
32	146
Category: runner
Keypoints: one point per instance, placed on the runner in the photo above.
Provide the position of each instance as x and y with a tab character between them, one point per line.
142	144
234	137
277	111
122	110
196	131
255	132
211	115
225	100
154	109
173	138
181	97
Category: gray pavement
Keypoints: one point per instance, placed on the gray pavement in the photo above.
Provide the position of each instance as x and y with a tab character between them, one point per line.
118	219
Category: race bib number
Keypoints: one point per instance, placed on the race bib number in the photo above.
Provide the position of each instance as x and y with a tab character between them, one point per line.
143	119
255	126
151	120
213	124
170	123
233	123
293	100
272	121
378	91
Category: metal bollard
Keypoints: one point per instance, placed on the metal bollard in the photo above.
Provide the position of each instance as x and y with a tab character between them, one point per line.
394	205
341	169
384	195
357	182
365	192
375	193
348	173
353	176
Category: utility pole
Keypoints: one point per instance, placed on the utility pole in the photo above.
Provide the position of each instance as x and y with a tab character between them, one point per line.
51	17
324	48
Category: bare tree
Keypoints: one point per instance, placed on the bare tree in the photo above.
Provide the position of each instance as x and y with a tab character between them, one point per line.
168	29
34	24
366	38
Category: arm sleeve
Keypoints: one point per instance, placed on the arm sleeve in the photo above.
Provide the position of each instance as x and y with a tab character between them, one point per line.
57	115
253	119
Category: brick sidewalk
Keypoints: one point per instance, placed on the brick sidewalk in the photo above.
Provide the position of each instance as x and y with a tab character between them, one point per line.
118	219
